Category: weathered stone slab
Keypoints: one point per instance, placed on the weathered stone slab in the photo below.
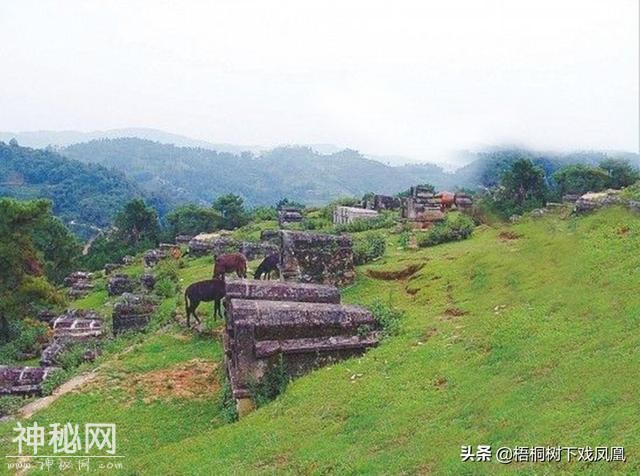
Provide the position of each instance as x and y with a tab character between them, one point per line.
119	284
252	250
316	258
306	335
281	291
289	215
132	313
344	215
77	325
23	381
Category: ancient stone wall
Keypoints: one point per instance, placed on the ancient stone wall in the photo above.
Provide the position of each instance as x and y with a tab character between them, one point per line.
132	312
289	215
344	215
80	283
383	202
23	381
118	284
273	322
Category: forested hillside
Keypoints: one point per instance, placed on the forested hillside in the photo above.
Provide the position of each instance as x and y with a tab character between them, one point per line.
83	195
298	173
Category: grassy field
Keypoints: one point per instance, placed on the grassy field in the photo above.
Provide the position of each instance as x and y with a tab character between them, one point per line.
523	335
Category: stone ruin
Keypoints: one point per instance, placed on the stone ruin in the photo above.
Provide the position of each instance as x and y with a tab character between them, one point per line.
344	215
23	381
183	239
217	245
72	327
253	250
132	313
148	281
303	324
111	267
164	251
288	215
119	284
422	208
80	284
316	257
382	202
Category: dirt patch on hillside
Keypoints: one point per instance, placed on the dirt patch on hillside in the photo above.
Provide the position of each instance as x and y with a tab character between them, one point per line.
624	231
194	379
403	273
509	235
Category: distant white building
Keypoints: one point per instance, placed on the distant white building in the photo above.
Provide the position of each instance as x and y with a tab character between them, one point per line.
342	215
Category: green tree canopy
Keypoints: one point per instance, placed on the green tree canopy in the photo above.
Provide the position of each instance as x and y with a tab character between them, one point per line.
581	179
231	208
137	223
23	287
620	172
192	219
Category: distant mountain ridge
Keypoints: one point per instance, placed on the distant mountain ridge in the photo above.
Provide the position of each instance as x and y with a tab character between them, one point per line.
42	139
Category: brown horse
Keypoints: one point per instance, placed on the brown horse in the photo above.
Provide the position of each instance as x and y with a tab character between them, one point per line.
204	291
228	263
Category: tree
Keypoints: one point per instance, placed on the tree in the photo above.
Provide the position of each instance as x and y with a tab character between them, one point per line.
136	223
522	188
58	246
23	287
231	208
579	179
620	172
192	219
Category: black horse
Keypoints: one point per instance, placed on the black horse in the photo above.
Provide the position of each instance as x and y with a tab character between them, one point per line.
207	291
268	265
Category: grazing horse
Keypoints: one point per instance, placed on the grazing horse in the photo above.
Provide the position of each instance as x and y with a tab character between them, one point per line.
207	291
268	265
228	263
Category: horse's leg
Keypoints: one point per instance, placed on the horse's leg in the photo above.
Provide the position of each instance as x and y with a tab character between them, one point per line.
216	309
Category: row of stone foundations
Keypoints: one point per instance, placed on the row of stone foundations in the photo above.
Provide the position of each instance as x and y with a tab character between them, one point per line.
208	244
23	381
301	325
422	208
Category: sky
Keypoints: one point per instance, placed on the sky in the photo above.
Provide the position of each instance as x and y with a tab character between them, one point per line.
412	78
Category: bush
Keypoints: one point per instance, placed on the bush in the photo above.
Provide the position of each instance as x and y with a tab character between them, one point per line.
632	192
11	404
167	278
54	380
387	317
28	337
454	227
273	383
226	402
368	247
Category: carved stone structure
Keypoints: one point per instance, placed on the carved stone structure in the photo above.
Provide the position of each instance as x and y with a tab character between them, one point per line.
212	243
280	291
148	281
302	324
166	250
463	201
183	239
252	250
23	381
287	215
80	284
74	326
422	207
111	267
383	202
343	215
316	258
118	284
132	312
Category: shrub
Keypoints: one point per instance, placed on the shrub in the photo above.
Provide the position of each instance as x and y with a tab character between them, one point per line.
273	383
387	317
71	357
632	192
368	247
166	278
454	227
226	402
54	380
11	404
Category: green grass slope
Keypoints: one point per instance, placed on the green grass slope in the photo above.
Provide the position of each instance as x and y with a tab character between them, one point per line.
525	335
